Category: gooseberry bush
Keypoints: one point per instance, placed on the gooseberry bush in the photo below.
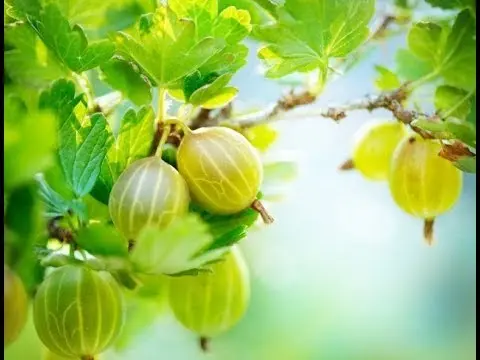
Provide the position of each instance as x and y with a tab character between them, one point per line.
130	174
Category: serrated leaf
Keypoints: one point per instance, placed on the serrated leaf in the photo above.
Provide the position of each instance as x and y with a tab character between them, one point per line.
133	142
230	26
102	240
174	249
30	139
409	67
309	32
70	44
467	164
27	60
451	101
121	76
165	48
82	151
55	204
261	11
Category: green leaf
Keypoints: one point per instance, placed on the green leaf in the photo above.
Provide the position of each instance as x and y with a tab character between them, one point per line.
55	204
424	41
70	44
83	144
467	164
83	150
27	60
462	130
165	48
226	229
450	129
121	76
309	32
30	139
451	101
387	79
133	142
409	67
174	249
450	52
458	65
215	94
279	171
102	240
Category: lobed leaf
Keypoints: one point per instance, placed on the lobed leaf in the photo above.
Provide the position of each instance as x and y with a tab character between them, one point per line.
309	32
69	44
452	101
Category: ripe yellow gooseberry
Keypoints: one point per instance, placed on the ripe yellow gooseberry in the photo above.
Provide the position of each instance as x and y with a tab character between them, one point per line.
212	302
374	147
222	169
422	183
148	192
15	306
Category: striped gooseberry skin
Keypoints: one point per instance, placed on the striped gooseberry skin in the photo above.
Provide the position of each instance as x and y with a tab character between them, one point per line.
222	169
148	192
422	183
15	306
374	146
78	312
212	302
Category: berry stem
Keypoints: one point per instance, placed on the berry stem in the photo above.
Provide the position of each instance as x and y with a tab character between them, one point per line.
204	343
258	207
428	231
347	165
184	126
163	140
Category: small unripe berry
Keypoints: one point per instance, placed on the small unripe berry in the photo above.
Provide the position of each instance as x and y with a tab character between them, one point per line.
15	306
149	192
422	183
78	312
374	147
223	170
212	302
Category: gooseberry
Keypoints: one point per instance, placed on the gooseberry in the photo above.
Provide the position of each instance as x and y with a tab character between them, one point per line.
212	302
15	306
422	183
78	312
148	192
222	169
374	147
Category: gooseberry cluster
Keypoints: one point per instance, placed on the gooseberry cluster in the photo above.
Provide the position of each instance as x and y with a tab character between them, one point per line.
421	183
79	310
